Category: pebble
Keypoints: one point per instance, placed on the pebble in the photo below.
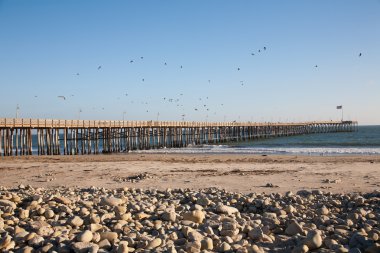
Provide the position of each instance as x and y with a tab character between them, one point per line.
196	216
182	220
313	240
85	236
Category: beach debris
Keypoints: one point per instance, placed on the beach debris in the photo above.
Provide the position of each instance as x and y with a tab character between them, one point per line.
270	185
134	178
331	181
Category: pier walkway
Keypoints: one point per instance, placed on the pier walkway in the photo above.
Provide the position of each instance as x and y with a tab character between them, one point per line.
73	137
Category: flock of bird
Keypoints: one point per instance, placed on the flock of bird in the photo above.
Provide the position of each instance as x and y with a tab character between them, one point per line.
201	105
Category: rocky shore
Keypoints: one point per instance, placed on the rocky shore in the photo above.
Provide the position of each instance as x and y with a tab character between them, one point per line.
183	220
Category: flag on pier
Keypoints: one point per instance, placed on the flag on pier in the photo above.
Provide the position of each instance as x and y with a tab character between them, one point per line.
339	107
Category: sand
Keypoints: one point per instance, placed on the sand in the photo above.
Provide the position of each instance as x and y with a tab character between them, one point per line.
238	173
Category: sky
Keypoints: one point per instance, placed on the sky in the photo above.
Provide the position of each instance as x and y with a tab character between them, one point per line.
193	60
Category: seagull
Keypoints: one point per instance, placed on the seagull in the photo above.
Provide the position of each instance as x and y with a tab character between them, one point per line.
165	64
252	54
316	66
142	57
259	50
181	66
238	69
360	54
63	97
265	48
99	67
77	74
131	61
143	79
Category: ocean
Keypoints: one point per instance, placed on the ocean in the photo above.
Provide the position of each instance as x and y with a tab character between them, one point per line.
366	141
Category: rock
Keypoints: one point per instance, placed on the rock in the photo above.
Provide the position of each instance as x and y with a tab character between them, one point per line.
323	210
294	228
5	203
226	209
85	236
256	233
62	200
196	216
5	241
76	221
110	236
81	247
207	244
255	249
123	247
154	243
301	249
111	201
224	247
169	216
313	240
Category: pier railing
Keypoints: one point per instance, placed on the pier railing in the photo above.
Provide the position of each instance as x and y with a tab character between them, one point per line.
71	137
59	123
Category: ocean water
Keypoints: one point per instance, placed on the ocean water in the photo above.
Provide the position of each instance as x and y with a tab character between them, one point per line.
366	141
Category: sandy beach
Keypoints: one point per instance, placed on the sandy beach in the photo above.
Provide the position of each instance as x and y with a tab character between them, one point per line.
238	173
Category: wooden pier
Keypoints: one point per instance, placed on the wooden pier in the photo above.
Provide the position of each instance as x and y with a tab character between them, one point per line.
73	137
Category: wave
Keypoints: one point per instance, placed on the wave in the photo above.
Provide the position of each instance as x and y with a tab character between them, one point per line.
224	149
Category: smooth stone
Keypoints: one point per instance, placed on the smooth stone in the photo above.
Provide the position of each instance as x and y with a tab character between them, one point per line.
301	249
169	216
81	247
323	210
5	203
76	221
111	201
62	200
226	209
123	247
256	233
196	216
294	228
207	244
110	236
313	240
85	236
154	243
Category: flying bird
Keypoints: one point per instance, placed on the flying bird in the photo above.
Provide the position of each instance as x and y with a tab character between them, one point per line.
252	54
165	64
63	97
316	66
238	69
131	61
77	74
259	50
265	48
143	79
360	54
99	67
142	57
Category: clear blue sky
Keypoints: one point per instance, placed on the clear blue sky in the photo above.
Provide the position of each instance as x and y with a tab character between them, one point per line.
54	48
